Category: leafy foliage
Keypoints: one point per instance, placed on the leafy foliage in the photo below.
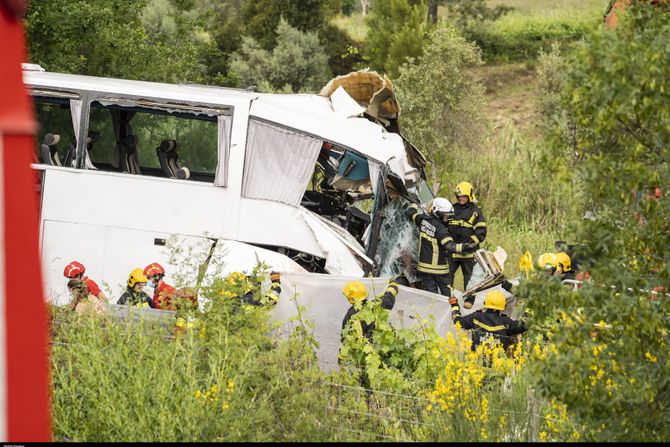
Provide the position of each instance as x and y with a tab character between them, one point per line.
396	31
107	38
612	336
296	64
261	18
441	102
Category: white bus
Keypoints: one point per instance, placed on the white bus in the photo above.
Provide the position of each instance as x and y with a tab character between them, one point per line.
301	182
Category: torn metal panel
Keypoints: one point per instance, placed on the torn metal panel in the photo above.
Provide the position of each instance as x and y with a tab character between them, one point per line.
368	89
325	306
344	105
343	256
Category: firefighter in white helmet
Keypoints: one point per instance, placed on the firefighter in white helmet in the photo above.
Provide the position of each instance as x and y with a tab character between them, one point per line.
435	245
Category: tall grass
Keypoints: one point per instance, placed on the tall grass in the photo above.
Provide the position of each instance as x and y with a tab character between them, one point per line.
523	189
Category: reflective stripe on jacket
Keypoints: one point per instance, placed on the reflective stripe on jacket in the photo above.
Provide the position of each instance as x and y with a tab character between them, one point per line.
485	322
467	225
434	243
366	328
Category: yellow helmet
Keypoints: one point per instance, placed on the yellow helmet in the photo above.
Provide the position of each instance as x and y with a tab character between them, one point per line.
563	259
495	300
355	291
239	279
547	261
136	276
466	189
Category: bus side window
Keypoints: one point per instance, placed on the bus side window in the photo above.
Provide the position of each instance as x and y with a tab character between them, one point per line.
55	119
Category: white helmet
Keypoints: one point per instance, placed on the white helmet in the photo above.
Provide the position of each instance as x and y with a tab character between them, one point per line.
441	206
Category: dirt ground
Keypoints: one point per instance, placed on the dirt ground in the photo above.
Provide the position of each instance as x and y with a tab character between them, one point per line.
511	90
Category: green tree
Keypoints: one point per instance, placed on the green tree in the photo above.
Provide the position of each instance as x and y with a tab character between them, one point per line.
396	31
466	12
441	101
262	17
298	62
106	38
616	89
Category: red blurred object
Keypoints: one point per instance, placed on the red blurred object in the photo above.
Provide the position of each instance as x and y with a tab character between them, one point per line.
24	353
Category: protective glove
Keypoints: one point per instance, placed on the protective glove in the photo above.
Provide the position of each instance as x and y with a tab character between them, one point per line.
453	301
507	285
401	280
275	276
470	247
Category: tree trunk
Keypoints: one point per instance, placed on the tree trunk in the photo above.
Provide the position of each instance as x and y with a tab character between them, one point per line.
432	12
365	6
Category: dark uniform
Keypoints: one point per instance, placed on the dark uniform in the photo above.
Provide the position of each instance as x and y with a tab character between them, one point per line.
488	322
365	328
135	298
468	225
271	297
435	244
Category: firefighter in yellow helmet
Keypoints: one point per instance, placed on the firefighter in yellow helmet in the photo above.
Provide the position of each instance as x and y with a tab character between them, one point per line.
489	321
357	295
564	266
468	225
243	286
135	294
548	263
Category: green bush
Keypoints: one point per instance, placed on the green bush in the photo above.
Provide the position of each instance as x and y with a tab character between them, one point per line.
516	37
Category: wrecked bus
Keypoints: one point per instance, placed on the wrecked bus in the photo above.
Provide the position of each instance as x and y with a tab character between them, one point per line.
302	182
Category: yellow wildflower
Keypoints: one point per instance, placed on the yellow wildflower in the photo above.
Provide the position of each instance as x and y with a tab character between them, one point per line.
649	356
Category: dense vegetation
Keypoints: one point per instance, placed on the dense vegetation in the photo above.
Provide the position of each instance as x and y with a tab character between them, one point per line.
594	365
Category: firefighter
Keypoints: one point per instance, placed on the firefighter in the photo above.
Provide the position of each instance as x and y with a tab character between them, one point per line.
489	321
76	270
548	263
564	266
467	225
163	292
357	295
244	289
83	301
435	244
135	294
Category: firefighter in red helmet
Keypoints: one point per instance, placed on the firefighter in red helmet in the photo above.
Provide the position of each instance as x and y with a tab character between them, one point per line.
76	270
163	292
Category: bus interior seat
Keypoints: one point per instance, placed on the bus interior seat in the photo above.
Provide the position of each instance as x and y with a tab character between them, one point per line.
127	154
169	160
71	154
49	151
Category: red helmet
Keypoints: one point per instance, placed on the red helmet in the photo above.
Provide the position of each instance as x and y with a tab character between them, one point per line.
73	269
153	269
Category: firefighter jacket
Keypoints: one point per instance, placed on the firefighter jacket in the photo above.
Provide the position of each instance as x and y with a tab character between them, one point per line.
92	286
467	225
163	294
488	322
366	328
434	243
271	297
133	298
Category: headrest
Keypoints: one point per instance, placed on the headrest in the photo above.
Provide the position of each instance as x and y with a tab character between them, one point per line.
168	146
130	140
183	173
50	139
92	137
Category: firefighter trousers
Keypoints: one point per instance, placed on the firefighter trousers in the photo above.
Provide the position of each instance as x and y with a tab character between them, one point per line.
435	283
466	265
